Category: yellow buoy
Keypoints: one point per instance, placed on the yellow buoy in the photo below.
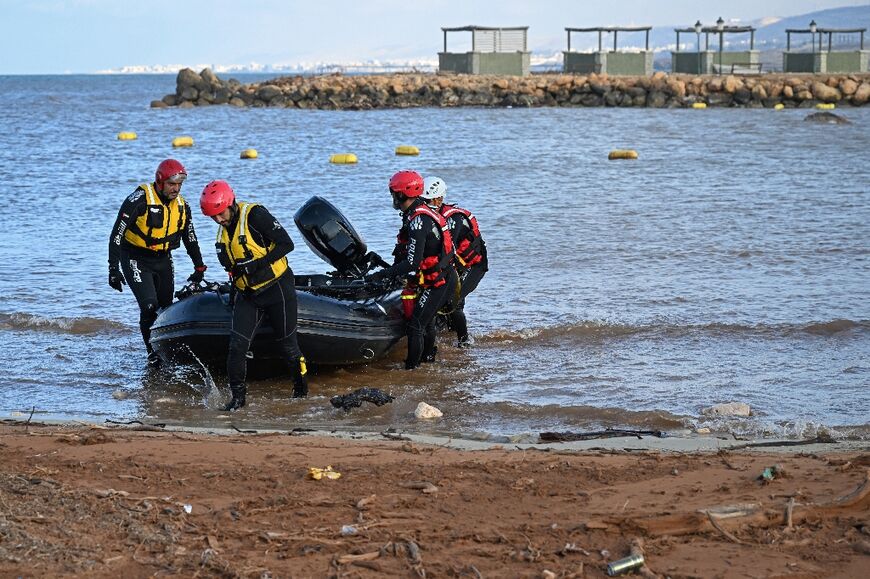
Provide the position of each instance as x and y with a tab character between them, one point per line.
778	106
343	159
699	105
407	150
127	136
183	141
622	154
248	154
826	106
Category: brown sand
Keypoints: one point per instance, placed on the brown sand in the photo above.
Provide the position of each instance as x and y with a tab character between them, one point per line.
95	502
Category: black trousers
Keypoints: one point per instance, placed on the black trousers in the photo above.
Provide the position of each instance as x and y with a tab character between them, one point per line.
277	303
421	326
152	280
469	279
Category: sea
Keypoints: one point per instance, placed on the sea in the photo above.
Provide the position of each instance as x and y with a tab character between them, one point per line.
729	263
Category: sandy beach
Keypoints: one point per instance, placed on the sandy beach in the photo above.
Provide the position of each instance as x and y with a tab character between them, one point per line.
92	501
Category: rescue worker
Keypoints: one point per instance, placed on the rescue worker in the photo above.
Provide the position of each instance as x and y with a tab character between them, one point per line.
253	246
423	256
471	262
152	222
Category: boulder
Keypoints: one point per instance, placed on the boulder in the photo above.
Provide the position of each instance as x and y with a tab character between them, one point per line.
788	92
187	78
268	92
825	93
158	105
826	118
426	411
862	94
656	99
732	84
728	409
848	86
209	77
189	94
171	100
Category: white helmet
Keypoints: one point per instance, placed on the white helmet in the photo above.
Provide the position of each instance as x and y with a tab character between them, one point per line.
434	188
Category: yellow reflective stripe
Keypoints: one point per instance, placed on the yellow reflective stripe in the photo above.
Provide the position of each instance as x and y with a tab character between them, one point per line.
303	368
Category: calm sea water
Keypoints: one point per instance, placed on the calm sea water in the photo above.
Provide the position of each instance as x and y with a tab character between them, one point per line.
730	262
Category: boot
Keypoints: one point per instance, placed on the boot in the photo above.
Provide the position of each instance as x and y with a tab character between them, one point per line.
154	360
430	357
238	400
300	387
300	382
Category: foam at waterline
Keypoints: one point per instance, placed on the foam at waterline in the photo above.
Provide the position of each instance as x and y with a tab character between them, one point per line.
63	325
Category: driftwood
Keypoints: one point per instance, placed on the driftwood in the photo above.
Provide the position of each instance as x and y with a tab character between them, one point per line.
707	520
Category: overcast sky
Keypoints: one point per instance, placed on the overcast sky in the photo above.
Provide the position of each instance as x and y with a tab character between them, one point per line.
82	36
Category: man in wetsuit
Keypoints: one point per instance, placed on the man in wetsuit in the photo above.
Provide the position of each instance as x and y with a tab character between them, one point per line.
253	246
471	262
423	256
153	221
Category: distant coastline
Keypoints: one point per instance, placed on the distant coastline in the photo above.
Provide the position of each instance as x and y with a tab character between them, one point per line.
660	90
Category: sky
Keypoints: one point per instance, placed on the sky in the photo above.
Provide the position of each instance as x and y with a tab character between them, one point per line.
88	36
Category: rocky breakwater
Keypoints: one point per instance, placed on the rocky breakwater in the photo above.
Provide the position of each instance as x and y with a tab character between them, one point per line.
335	92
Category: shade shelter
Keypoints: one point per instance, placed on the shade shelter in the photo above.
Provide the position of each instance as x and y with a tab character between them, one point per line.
719	60
822	60
614	61
493	51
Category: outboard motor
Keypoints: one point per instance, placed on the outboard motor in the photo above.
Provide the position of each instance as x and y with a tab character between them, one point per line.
331	236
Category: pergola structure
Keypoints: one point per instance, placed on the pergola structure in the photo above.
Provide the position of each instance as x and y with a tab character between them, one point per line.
493	51
719	61
614	61
821	60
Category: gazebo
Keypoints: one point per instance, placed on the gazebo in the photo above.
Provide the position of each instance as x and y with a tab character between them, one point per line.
821	60
493	51
614	61
719	61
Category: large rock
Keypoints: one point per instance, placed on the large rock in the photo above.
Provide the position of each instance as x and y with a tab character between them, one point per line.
728	409
862	95
825	93
187	78
732	84
268	92
827	118
848	86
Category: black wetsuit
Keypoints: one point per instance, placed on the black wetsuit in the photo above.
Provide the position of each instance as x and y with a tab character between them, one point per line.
150	274
469	278
276	301
424	240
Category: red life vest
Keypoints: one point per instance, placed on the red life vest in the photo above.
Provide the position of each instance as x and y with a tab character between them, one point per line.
468	249
433	268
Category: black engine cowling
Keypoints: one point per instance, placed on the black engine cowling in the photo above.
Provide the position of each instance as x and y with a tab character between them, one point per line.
331	236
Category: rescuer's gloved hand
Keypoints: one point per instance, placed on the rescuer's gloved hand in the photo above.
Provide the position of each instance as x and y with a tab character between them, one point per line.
116	279
198	274
246	267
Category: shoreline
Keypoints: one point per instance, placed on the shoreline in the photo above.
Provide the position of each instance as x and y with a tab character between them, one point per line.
101	502
406	90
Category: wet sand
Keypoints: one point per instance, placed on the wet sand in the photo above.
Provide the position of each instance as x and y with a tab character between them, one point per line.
83	500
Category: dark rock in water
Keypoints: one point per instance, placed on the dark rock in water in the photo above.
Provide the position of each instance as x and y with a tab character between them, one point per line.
825	117
357	397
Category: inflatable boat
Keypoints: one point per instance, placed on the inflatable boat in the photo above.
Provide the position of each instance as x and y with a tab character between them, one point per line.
341	320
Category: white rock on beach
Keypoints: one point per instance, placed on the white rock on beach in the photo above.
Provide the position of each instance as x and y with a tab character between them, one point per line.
424	410
728	409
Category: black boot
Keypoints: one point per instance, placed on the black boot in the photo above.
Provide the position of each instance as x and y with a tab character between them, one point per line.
300	382
238	400
430	357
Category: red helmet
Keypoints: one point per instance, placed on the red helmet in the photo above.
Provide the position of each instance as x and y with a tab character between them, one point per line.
407	183
170	170
216	197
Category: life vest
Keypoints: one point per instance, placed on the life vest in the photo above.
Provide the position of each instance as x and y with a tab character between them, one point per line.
242	246
160	228
432	272
468	249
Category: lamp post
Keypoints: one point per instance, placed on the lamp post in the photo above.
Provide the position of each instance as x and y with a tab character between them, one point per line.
813	29
698	35
720	26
